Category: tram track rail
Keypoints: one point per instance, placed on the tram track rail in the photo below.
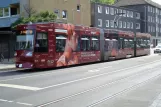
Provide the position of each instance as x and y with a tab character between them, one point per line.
150	70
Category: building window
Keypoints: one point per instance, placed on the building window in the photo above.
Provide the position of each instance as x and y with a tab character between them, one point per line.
124	11
116	24
148	28
137	25
128	24
148	18
149	8
1	12
153	29
99	22
107	23
57	12
120	24
124	24
107	10
160	21
64	14
112	11
131	14
160	12
131	25
157	19
116	11
160	30
120	11
78	7
6	11
138	15
128	14
99	9
112	23
151	19
157	29
153	10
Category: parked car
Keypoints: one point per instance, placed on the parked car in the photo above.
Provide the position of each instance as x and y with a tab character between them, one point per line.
157	49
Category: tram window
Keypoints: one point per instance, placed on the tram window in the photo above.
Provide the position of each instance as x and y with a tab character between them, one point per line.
121	43
78	44
85	41
107	40
94	43
41	42
60	42
126	43
131	43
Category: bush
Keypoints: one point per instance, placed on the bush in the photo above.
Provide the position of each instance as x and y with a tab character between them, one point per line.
39	17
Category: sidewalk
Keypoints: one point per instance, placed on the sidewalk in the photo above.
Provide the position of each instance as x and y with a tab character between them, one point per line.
7	64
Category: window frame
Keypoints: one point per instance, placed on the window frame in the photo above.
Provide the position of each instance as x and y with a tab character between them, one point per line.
107	10
124	24
81	49
112	23
65	11
98	42
100	21
56	43
107	23
99	8
47	41
137	24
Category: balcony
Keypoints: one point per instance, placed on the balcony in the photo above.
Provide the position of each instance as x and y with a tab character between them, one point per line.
7	21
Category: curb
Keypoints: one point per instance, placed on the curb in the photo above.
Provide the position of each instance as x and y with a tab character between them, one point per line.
6	69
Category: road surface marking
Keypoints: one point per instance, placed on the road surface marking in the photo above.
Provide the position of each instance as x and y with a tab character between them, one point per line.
94	76
20	87
27	104
96	70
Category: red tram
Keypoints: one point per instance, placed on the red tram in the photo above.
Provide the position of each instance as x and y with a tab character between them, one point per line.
56	44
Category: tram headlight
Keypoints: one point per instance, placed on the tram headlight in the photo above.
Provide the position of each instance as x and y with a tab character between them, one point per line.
29	54
15	54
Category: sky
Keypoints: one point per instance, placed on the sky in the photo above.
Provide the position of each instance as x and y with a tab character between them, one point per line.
157	1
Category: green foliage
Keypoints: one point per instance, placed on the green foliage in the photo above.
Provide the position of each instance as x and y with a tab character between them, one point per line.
110	2
39	17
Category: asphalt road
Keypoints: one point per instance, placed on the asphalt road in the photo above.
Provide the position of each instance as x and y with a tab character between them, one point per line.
124	83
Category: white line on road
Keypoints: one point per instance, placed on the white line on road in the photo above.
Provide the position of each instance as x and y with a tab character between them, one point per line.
20	87
27	104
96	70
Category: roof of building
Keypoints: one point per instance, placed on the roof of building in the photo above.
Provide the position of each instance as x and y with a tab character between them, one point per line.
129	2
136	2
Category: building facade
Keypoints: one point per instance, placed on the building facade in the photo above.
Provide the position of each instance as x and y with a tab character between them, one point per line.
107	16
71	11
150	14
9	12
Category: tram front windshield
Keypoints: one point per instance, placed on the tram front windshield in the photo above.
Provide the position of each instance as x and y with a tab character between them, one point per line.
25	40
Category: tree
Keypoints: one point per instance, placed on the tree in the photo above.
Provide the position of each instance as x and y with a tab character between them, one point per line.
39	17
29	10
110	2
